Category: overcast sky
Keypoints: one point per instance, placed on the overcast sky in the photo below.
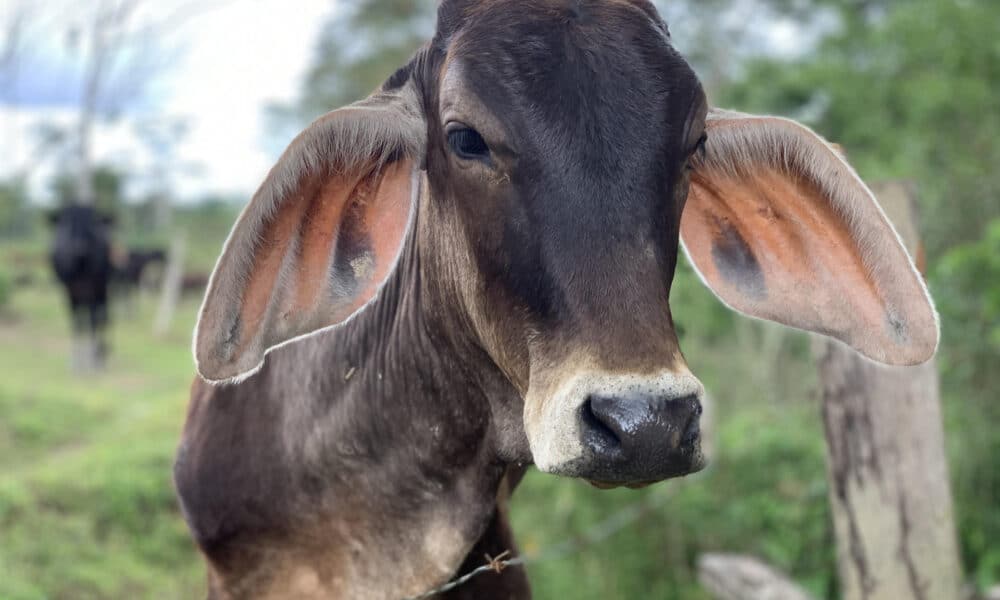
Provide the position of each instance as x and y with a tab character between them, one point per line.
224	63
220	64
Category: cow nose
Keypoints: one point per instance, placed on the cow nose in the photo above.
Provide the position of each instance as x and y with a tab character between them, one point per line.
640	438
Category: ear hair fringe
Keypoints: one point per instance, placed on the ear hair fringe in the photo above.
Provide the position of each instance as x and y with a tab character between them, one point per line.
748	142
375	131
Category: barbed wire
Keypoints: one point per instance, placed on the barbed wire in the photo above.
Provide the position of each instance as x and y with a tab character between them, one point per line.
601	531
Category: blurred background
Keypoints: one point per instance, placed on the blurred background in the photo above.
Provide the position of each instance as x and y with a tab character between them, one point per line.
167	114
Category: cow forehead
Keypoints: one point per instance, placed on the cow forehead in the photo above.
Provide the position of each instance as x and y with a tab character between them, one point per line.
607	74
500	14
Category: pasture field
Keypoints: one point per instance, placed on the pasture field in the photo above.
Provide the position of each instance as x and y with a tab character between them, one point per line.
86	505
87	508
87	511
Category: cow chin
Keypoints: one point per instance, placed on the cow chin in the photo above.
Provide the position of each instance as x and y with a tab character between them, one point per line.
617	429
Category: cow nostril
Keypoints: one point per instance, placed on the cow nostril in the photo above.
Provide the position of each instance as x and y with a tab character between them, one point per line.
595	428
692	428
692	431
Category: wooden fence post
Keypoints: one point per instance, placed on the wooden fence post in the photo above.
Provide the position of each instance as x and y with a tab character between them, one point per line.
889	488
170	293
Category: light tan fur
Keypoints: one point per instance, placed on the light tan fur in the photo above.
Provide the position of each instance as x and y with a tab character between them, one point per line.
555	396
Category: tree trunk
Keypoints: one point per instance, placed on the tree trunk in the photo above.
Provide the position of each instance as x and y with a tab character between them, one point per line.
162	216
170	293
889	487
92	81
105	38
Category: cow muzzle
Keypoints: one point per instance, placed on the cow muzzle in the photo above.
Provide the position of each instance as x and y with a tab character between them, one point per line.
639	438
619	430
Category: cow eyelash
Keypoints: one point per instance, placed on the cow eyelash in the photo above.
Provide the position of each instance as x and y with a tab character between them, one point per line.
468	144
699	149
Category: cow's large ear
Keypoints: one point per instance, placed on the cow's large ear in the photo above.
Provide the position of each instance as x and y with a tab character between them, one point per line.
780	227
320	236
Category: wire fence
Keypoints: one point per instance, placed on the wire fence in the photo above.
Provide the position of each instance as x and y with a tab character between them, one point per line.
599	532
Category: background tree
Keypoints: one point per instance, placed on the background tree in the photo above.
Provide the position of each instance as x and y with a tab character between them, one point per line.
106	183
356	50
117	48
15	213
910	90
364	42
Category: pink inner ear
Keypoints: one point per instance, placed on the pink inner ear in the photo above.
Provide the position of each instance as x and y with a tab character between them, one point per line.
769	245
384	218
290	290
319	233
267	259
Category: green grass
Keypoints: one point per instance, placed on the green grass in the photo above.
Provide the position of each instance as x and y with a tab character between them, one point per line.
87	508
765	495
86	504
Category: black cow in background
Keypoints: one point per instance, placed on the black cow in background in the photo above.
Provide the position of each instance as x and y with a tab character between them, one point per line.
81	259
131	272
137	261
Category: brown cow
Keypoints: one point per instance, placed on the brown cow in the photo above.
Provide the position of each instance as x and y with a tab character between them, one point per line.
474	266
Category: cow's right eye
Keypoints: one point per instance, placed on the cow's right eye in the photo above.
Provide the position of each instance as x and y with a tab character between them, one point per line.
468	144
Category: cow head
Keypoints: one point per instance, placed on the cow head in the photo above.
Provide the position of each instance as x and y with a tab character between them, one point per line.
81	236
541	156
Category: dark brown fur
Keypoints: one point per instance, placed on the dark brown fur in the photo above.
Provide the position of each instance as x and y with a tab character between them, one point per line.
526	319
327	465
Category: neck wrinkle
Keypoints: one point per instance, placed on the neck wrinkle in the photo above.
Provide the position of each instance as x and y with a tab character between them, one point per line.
437	257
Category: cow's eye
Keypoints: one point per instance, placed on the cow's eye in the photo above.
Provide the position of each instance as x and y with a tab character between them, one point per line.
699	149
468	144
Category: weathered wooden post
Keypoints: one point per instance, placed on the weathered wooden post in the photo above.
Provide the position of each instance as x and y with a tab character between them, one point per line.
170	293
889	488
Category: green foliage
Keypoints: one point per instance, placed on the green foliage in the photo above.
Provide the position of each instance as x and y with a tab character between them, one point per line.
108	187
87	509
15	213
5	287
86	505
910	94
910	90
356	52
967	286
765	495
966	283
64	188
203	223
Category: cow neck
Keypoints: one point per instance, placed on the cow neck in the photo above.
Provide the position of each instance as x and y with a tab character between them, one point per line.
418	407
